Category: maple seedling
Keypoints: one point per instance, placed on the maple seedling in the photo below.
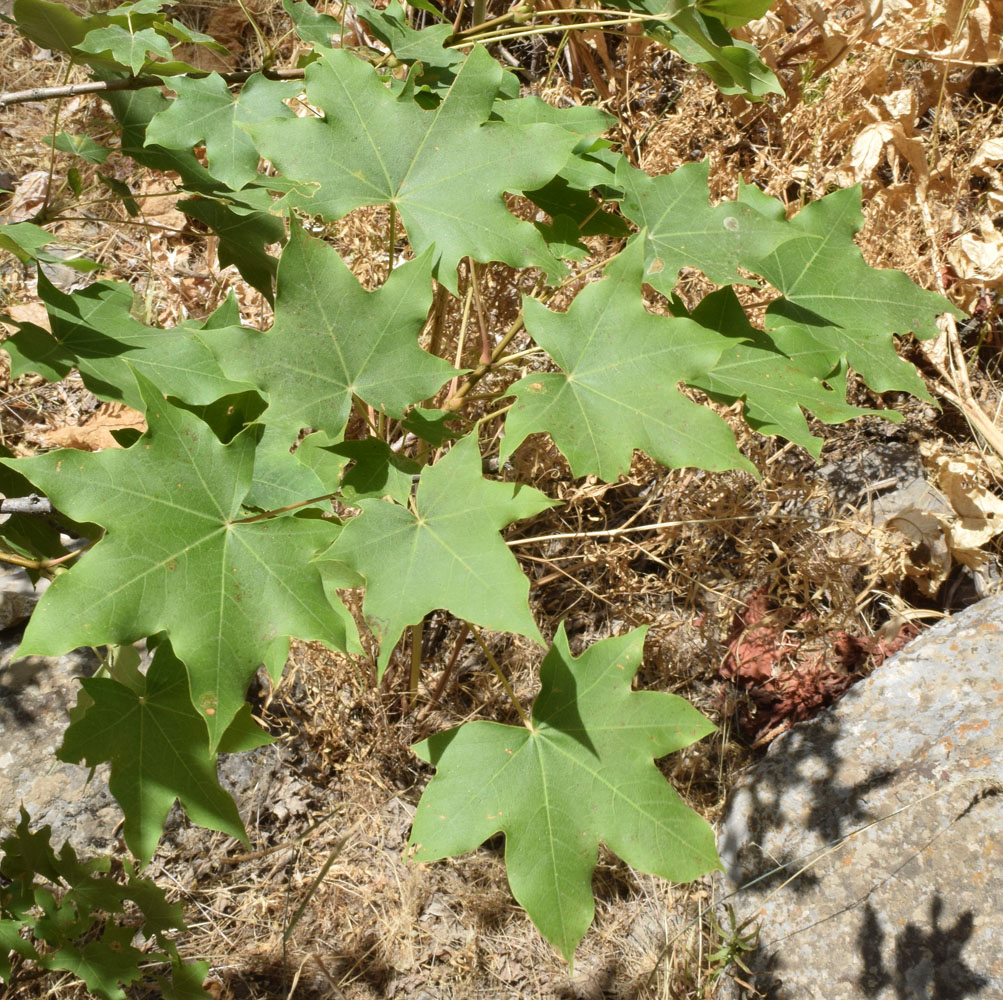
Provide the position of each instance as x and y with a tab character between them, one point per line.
213	533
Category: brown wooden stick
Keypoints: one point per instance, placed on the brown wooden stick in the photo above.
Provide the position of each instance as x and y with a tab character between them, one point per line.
134	83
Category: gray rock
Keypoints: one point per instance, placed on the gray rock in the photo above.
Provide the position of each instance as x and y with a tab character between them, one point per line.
873	471
35	696
886	811
18	596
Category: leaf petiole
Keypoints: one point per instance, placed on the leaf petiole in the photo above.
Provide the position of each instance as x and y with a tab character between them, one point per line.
501	676
281	510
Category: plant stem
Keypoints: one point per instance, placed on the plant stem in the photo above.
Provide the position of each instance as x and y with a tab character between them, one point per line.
41	564
447	672
501	676
52	152
493	414
266	48
464	320
456	396
505	34
438	318
481	322
391	237
509	358
614	532
281	510
416	637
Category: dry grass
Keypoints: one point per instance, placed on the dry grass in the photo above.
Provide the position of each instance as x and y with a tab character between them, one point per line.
376	926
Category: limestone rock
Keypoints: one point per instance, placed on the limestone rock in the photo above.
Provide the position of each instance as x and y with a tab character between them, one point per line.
886	812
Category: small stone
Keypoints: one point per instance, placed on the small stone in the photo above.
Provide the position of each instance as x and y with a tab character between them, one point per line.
18	596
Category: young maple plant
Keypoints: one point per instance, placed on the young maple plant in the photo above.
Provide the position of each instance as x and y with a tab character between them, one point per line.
216	543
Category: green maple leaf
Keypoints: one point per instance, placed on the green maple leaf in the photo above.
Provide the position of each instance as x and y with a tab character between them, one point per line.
582	773
831	296
281	478
125	46
390	26
243	234
774	387
25	241
445	553
312	28
103	961
684	230
446	170
81	145
243	222
734	13
206	111
50	25
617	387
734	66
158	746
177	557
332	339
376	471
185	982
93	331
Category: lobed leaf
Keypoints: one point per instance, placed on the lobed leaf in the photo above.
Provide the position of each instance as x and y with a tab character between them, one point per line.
125	45
158	746
93	330
177	557
206	112
332	340
832	297
443	551
682	228
582	773
617	387
774	387
446	170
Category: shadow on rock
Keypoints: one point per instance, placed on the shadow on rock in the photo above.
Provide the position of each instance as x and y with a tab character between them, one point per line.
923	962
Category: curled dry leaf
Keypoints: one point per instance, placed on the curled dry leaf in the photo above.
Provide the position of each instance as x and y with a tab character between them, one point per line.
979	257
925	529
28	196
979	511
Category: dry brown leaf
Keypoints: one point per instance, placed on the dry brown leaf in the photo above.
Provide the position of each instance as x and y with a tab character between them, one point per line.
880	141
901	106
28	196
927	557
988	154
979	258
979	510
95	433
27	312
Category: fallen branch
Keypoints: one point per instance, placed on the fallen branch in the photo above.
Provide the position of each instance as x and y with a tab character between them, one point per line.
26	505
134	83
